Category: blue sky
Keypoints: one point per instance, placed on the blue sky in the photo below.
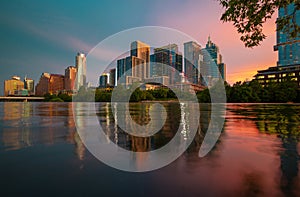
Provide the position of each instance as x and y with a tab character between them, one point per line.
44	36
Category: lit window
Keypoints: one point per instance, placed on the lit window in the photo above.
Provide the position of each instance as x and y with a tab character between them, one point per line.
261	77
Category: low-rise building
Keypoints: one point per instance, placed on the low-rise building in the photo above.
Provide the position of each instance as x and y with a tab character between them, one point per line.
278	74
12	86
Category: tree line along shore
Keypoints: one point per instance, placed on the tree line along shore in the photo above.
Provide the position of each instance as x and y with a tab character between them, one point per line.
240	92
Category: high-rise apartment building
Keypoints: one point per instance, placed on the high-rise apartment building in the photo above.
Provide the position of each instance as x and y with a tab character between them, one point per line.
80	64
50	83
70	77
42	87
57	83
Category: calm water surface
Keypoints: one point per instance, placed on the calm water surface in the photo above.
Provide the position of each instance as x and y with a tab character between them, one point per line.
257	154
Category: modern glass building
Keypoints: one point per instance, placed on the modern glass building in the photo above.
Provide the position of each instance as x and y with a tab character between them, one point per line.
288	64
213	67
288	48
131	66
103	81
112	77
192	61
80	63
166	55
141	51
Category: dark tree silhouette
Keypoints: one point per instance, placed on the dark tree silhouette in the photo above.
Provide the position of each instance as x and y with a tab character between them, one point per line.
249	16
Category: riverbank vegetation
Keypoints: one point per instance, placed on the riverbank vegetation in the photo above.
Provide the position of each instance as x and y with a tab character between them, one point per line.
254	92
240	92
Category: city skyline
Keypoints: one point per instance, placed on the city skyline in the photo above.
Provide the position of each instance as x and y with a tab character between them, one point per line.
44	37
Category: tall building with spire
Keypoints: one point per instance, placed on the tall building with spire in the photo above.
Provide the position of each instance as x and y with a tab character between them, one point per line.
80	64
213	62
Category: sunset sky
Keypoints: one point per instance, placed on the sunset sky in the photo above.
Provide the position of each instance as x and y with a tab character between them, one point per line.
44	36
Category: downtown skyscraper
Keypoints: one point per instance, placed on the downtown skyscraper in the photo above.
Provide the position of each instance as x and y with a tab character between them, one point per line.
214	66
135	67
80	64
192	62
288	48
170	56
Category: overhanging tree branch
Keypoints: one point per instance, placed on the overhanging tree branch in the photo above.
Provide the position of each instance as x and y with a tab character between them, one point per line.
248	17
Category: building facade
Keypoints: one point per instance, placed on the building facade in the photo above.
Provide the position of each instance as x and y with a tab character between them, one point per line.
103	81
50	83
57	83
43	85
214	67
142	52
192	62
112	77
163	57
288	64
288	48
80	64
135	67
70	77
279	74
29	85
13	86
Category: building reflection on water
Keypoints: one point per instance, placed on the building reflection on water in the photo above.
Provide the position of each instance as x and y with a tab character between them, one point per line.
26	124
284	122
256	155
140	114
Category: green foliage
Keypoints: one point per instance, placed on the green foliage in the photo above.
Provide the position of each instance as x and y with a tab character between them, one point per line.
65	97
136	96
249	16
56	100
102	95
253	92
204	96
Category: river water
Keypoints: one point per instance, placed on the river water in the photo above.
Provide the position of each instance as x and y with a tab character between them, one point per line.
257	154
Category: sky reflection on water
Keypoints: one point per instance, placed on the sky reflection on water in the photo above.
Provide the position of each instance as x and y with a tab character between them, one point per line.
256	155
